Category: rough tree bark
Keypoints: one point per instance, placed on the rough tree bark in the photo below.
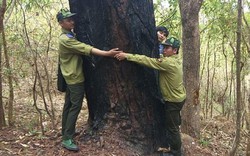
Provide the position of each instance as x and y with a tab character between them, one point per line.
191	65
2	11
238	82
11	119
248	128
122	96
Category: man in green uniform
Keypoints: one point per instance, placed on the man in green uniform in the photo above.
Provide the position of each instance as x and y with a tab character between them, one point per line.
70	51
171	85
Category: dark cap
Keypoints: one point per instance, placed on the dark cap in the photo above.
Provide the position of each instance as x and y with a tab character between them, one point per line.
173	42
163	29
64	13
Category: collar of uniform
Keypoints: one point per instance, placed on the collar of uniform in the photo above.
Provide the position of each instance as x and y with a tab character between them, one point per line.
175	56
68	32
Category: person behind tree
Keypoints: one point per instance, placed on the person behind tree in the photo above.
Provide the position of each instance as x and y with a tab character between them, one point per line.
70	60
162	34
171	85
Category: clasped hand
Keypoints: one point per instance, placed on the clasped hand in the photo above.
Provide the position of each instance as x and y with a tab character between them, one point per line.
120	56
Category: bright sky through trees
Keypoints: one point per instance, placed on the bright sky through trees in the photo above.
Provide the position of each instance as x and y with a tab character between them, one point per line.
164	3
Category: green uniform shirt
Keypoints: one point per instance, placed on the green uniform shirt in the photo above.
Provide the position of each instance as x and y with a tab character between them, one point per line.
70	51
170	75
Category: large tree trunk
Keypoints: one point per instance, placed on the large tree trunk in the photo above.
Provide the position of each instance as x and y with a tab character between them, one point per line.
191	65
122	96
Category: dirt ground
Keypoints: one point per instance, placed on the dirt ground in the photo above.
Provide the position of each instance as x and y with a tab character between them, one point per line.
25	138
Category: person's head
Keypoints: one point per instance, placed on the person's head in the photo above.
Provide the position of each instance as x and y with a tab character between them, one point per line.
162	33
64	18
171	46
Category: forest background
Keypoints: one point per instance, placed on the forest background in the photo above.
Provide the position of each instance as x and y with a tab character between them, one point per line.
32	105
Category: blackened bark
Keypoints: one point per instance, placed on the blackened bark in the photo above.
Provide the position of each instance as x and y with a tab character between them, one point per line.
123	93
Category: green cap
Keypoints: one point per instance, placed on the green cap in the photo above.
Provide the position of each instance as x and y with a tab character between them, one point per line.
173	42
64	13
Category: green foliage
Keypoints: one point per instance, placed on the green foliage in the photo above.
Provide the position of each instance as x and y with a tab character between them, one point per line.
167	14
31	32
204	142
31	24
220	17
34	4
247	16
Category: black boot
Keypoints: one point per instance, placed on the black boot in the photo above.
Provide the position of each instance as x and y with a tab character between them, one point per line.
166	154
176	152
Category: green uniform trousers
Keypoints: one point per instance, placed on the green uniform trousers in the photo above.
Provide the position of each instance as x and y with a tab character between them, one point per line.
72	107
173	121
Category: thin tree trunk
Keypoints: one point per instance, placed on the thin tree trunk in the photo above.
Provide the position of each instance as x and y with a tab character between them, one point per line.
226	68
10	10
248	126
36	78
191	65
48	77
212	86
2	116
238	82
46	91
231	86
201	75
247	43
208	84
34	93
11	119
2	11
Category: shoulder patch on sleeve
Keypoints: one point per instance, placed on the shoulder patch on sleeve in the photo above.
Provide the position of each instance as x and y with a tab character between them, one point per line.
69	35
159	59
